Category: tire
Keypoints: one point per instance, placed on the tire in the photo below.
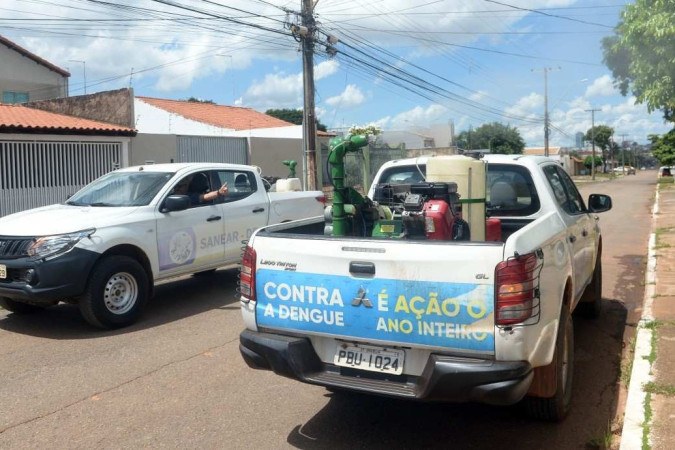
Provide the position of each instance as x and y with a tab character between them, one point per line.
18	307
554	409
590	305
116	293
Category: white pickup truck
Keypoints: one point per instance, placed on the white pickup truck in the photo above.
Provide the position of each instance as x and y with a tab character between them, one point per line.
431	319
106	246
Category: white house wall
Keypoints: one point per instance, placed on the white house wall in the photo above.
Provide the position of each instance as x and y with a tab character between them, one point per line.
19	73
153	120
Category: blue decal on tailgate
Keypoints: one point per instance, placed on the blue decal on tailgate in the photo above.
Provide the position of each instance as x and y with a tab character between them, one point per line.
454	315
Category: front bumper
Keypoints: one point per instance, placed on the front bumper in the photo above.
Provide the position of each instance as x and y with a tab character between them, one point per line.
59	278
444	378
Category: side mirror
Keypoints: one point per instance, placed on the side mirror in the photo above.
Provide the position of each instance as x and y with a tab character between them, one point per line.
176	203
598	203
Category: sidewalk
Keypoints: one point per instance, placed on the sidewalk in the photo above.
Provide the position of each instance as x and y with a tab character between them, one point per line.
650	409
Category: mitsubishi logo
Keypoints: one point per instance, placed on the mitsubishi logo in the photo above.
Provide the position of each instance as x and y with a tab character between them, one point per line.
361	299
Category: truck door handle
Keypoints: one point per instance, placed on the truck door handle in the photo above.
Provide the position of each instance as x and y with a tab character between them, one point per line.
257	210
573	238
213	218
361	268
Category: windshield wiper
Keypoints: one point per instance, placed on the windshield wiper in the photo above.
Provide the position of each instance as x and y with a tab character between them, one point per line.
101	204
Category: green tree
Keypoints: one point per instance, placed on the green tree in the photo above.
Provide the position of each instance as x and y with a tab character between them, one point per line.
663	147
588	162
292	116
641	54
602	135
199	100
494	136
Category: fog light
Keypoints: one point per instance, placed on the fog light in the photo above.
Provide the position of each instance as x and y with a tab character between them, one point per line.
30	276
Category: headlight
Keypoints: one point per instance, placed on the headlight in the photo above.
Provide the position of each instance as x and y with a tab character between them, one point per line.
52	246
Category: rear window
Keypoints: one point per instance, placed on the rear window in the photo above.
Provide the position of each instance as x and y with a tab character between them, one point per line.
509	192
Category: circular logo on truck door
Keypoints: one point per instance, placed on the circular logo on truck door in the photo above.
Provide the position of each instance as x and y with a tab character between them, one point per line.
181	248
177	248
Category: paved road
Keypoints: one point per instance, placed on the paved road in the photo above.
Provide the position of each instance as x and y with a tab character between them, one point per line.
177	380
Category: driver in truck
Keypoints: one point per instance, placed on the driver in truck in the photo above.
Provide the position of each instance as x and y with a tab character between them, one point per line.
196	186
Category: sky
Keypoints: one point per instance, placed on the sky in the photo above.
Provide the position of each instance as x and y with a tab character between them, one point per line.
401	65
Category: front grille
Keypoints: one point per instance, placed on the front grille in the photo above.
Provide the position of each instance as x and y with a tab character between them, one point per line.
14	247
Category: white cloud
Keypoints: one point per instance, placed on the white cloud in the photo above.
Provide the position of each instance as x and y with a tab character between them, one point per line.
418	116
478	96
601	87
350	97
325	69
281	90
531	104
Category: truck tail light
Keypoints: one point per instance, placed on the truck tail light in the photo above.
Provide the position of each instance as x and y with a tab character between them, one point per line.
516	289
247	275
321	199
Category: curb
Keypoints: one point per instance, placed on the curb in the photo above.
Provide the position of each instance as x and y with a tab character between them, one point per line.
633	431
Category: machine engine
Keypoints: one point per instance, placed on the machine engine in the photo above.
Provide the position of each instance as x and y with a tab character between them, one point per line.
421	211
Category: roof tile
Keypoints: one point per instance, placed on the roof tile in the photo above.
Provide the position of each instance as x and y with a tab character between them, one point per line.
15	118
231	117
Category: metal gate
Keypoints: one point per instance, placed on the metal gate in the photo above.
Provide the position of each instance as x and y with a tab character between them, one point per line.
38	173
232	150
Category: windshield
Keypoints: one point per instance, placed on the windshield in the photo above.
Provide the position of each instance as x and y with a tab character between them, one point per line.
121	189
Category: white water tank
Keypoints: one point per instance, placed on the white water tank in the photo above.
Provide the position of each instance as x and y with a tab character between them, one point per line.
289	185
470	176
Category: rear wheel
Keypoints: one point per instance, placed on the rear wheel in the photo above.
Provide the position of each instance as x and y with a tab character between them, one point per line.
590	304
116	293
18	307
555	408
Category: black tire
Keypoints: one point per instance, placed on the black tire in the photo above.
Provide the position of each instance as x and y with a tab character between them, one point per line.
18	307
554	409
116	293
590	305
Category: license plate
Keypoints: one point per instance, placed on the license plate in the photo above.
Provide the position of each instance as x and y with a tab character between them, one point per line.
3	271
374	359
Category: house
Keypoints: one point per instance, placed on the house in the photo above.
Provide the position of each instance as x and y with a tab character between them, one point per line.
25	76
184	131
553	152
200	131
45	157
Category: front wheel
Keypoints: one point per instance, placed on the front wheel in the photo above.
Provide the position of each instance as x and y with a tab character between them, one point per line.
555	408
18	307
116	293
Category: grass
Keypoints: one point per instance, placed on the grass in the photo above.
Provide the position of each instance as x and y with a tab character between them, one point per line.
646	426
667	390
666	181
604	441
659	235
627	366
653	325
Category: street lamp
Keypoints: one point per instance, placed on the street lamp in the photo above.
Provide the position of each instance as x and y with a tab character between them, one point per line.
84	72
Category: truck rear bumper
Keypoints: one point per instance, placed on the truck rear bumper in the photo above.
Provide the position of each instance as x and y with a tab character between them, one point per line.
444	378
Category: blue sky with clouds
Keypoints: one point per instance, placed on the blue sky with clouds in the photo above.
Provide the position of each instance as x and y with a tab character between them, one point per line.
399	64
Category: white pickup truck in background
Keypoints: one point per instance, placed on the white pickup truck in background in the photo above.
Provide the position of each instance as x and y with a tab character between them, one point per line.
407	312
106	246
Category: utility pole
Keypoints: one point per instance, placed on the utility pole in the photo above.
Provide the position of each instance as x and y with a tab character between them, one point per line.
592	111
306	33
546	120
84	72
623	150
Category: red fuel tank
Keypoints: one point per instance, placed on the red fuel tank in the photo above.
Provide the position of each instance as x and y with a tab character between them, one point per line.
493	229
439	220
